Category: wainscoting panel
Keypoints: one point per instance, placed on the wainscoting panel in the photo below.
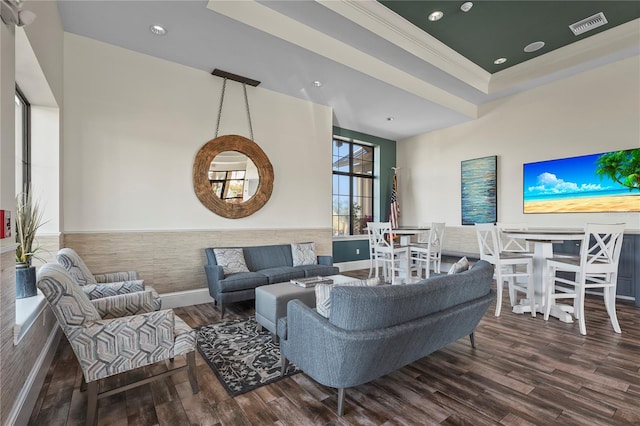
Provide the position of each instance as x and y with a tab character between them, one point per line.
173	261
461	240
18	363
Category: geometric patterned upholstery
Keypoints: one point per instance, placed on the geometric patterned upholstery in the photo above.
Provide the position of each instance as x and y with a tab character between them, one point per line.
102	285
127	304
75	265
114	277
96	291
105	347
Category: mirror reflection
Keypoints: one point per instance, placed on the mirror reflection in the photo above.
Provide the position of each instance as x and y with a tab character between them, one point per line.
233	177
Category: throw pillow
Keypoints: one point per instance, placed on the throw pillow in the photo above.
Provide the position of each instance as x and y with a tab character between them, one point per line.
323	293
231	260
304	254
460	266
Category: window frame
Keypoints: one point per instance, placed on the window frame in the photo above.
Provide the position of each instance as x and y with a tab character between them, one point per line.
352	176
226	185
26	141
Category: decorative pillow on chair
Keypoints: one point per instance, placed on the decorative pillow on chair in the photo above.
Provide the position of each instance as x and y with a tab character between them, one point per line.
231	260
323	293
460	266
304	254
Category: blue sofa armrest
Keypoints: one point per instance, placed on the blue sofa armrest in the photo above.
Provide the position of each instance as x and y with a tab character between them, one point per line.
214	274
325	260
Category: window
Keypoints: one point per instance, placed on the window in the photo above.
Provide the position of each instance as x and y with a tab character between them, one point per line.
228	185
23	142
353	174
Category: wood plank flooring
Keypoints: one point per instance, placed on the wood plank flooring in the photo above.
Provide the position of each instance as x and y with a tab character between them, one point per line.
524	371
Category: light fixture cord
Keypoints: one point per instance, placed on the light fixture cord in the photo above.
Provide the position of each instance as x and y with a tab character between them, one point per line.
224	87
246	100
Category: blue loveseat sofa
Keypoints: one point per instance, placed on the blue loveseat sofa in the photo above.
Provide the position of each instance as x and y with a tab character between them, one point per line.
266	265
372	331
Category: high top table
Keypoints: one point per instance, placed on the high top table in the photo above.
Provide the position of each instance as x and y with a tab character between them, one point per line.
543	240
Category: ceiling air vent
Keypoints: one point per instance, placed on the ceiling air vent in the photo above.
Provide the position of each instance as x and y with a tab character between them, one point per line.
588	24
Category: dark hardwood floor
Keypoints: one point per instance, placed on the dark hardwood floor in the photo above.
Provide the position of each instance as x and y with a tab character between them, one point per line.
523	371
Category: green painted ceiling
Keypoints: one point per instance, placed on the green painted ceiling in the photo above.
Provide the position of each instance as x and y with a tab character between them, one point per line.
495	29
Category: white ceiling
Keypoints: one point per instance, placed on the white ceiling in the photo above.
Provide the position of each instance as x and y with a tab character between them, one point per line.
372	63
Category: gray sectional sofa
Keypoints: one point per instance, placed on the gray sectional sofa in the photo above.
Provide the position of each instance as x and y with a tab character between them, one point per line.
372	331
265	265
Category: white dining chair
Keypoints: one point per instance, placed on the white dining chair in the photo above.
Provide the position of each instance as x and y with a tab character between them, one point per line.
393	258
595	268
510	244
427	250
505	267
373	261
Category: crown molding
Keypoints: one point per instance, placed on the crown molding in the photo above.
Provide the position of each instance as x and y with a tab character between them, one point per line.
278	25
385	23
607	43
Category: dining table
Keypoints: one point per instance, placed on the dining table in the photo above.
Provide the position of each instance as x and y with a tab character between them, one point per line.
406	232
543	240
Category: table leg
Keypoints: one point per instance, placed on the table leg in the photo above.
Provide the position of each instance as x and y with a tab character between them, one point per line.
542	251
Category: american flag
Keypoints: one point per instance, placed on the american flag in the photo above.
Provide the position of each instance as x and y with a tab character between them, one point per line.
394	214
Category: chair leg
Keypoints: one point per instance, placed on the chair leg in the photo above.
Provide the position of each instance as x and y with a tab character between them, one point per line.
610	304
191	364
83	384
92	403
341	401
284	363
512	283
499	284
472	340
221	310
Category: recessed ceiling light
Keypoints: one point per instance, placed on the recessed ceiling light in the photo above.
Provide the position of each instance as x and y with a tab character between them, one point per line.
436	16
532	47
158	30
466	6
317	83
500	61
390	118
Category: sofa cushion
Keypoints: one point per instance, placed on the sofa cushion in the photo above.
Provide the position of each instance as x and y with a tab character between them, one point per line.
231	260
265	257
323	293
315	270
242	281
304	254
460	266
281	274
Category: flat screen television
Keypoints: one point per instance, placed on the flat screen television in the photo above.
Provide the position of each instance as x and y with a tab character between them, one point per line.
604	182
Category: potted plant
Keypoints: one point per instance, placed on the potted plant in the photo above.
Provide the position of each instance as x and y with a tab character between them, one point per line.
28	220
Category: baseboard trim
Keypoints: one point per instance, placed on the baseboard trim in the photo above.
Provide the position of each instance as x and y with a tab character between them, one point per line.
28	396
178	299
356	264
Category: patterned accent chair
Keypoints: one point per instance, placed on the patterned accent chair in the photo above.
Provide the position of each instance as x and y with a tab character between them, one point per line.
102	285
117	334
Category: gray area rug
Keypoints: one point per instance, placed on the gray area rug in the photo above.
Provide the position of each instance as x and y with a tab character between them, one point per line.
243	357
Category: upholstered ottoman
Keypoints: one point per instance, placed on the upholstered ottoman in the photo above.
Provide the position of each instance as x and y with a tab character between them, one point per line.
272	299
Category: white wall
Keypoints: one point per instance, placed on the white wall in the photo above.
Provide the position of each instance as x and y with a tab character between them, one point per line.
592	112
45	162
134	123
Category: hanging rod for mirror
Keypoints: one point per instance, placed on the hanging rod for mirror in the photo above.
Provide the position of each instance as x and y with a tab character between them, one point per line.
235	77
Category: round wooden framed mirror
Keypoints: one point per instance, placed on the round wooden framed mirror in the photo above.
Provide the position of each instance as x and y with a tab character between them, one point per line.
220	186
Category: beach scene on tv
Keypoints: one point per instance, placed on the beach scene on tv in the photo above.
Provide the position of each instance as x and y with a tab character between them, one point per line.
605	182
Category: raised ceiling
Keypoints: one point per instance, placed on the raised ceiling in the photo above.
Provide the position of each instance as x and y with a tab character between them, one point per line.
501	29
373	63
